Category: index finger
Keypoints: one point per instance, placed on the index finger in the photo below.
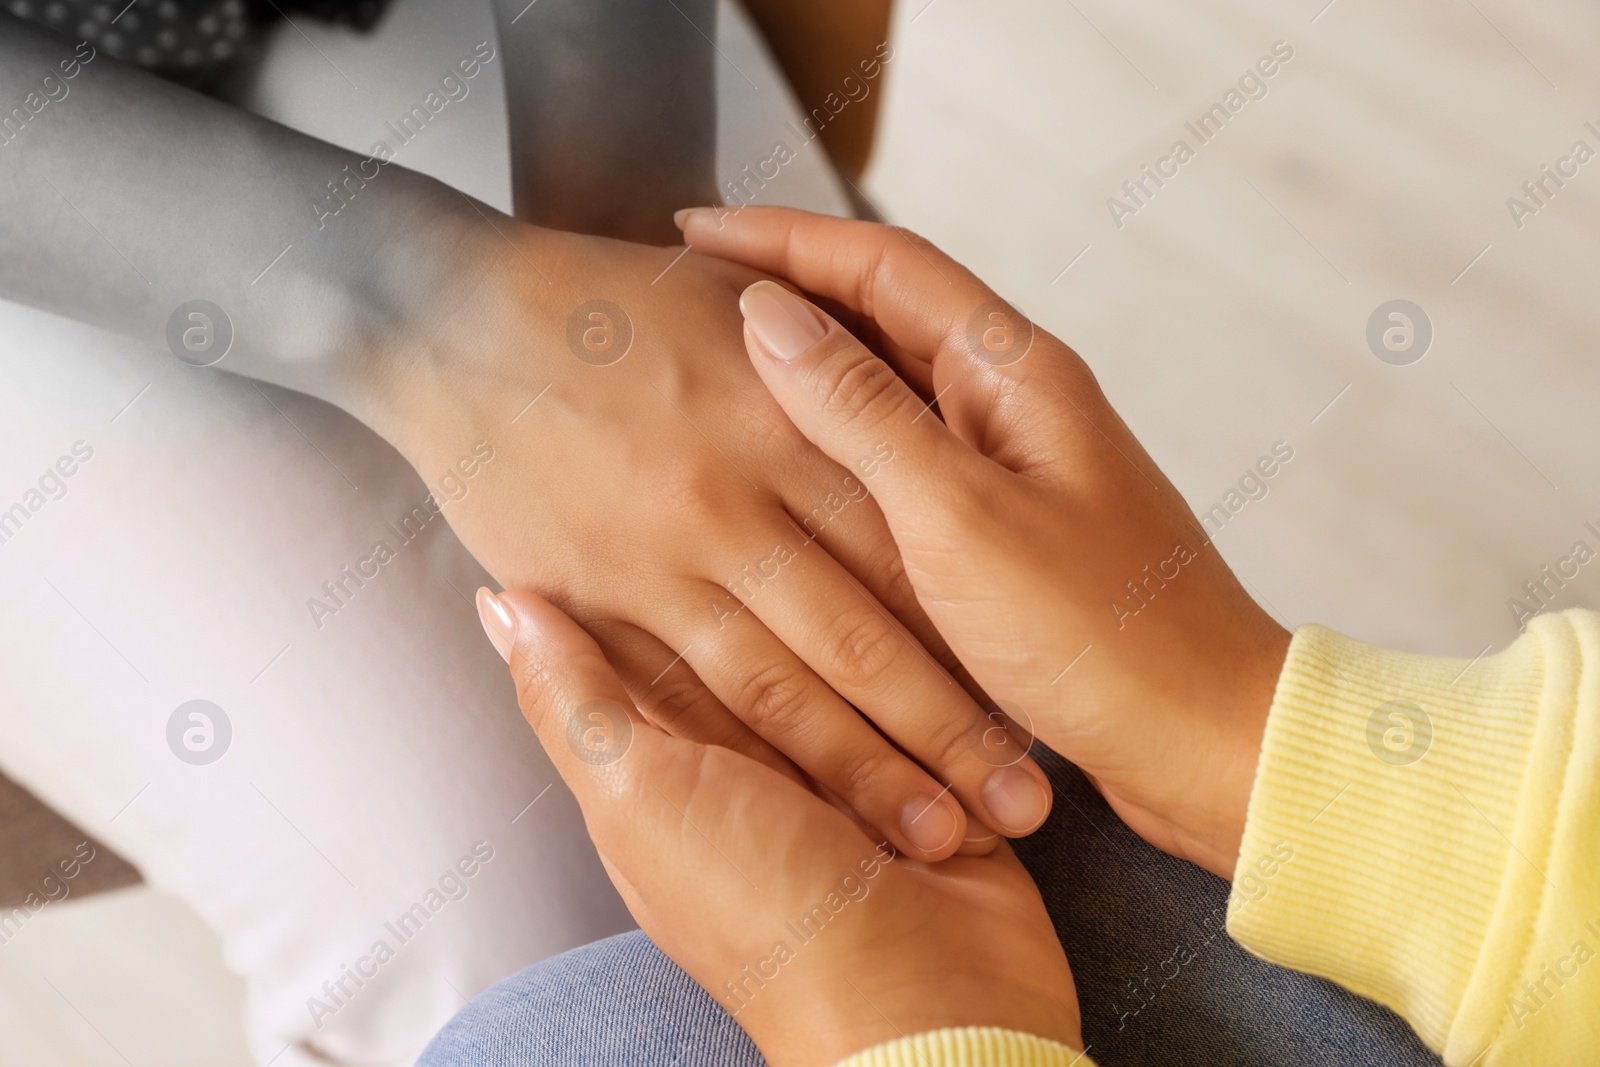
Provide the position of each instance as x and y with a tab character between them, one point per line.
934	320
918	297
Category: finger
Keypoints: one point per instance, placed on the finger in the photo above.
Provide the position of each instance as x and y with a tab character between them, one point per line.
772	689
568	691
933	319
675	822
845	636
672	697
914	293
853	406
980	840
832	506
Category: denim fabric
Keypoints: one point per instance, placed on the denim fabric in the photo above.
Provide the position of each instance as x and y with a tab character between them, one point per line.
615	1003
1123	909
1158	981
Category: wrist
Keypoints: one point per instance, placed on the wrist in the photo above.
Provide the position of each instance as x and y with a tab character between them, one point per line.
329	315
452	286
1237	713
1188	788
401	299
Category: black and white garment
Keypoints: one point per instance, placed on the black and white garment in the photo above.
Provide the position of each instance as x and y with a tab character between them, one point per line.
190	41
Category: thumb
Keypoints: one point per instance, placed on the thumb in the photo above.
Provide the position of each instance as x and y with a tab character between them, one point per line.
568	691
659	808
849	403
616	764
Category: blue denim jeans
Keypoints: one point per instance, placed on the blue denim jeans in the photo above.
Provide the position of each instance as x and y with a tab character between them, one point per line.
1123	910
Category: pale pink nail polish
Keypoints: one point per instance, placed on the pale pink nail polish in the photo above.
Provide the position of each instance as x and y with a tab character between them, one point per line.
785	325
498	623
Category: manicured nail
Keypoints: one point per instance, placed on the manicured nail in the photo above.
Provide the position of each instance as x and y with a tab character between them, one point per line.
1015	800
680	217
785	325
928	823
498	623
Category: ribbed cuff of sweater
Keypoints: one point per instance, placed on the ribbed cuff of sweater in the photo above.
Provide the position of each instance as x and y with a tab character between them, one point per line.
1415	798
970	1046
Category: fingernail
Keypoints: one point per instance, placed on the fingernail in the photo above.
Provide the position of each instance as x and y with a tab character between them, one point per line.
680	217
498	623
928	823
783	323
1015	800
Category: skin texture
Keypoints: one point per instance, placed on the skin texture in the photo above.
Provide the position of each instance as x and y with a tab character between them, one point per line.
630	493
205	198
667	504
1018	516
717	857
1023	517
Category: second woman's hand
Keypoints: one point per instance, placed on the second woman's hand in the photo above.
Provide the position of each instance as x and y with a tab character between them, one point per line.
588	420
1062	567
817	936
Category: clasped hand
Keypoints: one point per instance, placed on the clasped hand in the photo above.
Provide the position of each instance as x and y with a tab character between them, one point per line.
742	583
1024	512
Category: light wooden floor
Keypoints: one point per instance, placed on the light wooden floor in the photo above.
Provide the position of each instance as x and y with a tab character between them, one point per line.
1226	315
1231	310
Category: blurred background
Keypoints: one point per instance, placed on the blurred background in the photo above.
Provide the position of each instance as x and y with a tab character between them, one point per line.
1225	310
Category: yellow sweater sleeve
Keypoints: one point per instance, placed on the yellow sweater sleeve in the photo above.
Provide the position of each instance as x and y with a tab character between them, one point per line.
1426	832
970	1046
1423	831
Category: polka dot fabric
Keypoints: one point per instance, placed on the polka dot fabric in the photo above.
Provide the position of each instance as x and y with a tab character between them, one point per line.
190	41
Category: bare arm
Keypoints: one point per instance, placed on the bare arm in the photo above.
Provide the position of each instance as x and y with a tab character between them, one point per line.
441	323
123	196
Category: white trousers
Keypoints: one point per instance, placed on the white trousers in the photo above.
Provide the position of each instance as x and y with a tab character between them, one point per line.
382	836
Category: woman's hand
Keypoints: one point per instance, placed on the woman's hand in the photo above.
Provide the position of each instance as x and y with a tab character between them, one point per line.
585	413
1064	570
663	498
820	940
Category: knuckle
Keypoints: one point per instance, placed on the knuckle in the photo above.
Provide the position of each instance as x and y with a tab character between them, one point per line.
693	486
859	389
950	743
868	772
536	690
901	254
860	647
886	574
913	239
879	276
774	701
674	701
546	687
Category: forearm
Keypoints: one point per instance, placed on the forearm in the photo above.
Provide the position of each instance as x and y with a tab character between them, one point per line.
125	197
612	107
